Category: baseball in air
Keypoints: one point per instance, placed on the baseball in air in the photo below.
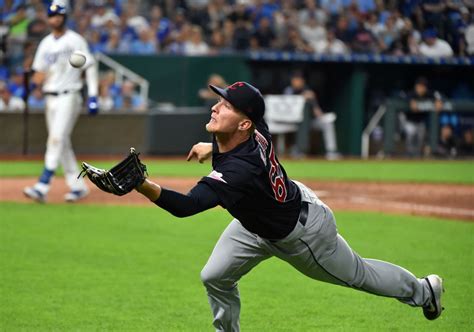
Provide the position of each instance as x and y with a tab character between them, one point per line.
77	59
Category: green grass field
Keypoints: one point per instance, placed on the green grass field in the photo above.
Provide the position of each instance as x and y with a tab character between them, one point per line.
95	268
350	170
115	268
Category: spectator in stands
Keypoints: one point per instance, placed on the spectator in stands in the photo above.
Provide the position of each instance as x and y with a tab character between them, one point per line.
215	14
114	44
129	99
311	10
15	84
313	32
228	32
96	42
146	42
109	79
409	39
364	6
240	12
413	122
106	102
18	23
195	45
331	45
374	25
208	96
265	35
160	24
8	102
134	20
178	38
264	9
469	36
241	36
313	119
333	7
433	14
342	30
296	43
102	14
36	99
363	40
434	47
218	43
388	35
411	10
38	26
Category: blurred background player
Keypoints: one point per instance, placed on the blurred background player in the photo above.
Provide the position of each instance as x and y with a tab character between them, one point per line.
413	121
207	96
62	85
316	119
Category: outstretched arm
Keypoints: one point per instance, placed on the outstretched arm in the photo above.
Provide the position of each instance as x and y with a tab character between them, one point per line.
200	198
150	190
201	151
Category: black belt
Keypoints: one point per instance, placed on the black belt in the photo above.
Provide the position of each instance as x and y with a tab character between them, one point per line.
303	213
302	218
58	93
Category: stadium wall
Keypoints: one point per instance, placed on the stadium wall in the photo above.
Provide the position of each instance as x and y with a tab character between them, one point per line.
155	132
352	87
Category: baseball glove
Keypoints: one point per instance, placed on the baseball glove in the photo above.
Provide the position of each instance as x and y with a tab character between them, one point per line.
120	179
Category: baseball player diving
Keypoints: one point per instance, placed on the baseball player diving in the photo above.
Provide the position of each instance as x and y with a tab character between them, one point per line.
62	85
273	215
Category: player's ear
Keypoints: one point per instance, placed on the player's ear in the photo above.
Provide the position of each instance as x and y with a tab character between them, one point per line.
245	124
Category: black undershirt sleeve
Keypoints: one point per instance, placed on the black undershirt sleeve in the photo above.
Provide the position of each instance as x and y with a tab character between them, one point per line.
200	198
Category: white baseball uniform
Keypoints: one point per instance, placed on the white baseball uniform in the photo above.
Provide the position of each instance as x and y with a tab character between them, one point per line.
62	87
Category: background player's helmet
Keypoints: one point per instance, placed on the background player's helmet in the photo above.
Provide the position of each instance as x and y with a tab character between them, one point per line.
56	10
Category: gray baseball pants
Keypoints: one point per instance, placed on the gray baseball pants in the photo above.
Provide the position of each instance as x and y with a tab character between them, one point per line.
315	249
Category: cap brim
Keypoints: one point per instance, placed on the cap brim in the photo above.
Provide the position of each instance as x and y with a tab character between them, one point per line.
219	91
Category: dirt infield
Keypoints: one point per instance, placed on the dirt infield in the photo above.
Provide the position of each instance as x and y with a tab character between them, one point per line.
440	200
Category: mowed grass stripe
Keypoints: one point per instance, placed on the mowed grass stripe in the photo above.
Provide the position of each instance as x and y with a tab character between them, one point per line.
346	170
89	268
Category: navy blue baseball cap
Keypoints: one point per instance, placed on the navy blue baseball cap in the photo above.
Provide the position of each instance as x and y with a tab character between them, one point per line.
429	33
244	97
56	10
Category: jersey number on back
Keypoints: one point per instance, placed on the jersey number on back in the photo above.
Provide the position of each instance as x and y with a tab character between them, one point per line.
276	177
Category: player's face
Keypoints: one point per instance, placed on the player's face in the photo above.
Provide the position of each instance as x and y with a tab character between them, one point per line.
56	21
224	118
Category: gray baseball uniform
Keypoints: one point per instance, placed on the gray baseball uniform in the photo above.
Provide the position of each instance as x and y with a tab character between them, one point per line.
315	249
275	216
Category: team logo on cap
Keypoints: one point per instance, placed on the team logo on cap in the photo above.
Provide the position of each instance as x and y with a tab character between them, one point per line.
236	85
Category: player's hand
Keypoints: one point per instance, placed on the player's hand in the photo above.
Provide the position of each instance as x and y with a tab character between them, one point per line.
92	106
201	151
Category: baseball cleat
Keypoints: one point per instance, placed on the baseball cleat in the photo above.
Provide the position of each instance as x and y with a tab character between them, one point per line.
34	194
434	309
75	195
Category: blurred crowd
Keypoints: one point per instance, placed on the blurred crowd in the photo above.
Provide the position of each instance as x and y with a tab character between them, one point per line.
113	96
200	27
433	28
